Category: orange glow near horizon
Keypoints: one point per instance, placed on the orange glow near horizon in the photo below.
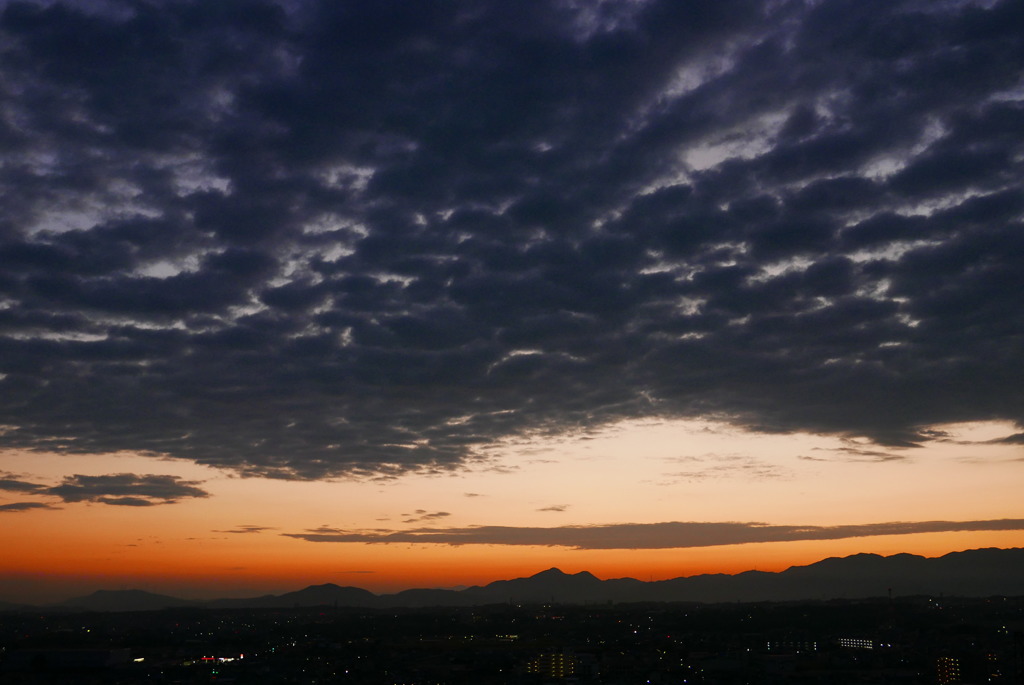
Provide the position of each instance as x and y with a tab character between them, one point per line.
392	568
235	542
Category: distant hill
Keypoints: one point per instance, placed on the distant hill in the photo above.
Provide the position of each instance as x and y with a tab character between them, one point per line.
546	586
973	573
10	606
978	573
328	594
124	600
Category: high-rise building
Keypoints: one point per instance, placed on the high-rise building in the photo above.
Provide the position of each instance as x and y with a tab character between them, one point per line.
555	665
947	670
856	643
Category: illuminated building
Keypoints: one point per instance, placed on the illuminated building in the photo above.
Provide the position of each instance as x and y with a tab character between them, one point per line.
791	646
553	665
856	643
948	670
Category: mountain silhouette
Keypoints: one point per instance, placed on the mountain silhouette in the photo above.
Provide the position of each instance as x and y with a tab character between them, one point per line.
547	586
972	573
11	606
327	594
124	600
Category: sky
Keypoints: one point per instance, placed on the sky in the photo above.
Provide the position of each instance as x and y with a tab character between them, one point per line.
431	294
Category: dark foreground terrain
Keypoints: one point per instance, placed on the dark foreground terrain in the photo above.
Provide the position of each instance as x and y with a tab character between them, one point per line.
908	640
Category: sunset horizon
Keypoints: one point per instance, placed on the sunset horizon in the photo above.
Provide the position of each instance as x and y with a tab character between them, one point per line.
207	589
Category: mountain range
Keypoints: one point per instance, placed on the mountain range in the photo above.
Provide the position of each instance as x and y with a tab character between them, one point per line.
971	573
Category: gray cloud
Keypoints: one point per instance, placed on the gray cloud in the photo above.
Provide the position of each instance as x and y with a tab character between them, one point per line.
11	483
555	508
423	515
859	454
241	530
367	239
1015	439
667	535
129	501
724	466
855	453
25	506
126	489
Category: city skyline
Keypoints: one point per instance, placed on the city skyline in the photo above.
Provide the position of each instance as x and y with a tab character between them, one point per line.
423	295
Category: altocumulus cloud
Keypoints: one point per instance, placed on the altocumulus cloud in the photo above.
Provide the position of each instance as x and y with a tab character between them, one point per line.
667	535
319	238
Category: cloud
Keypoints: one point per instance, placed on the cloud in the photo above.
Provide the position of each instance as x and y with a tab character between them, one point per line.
555	507
423	515
10	483
25	506
242	530
128	501
857	453
1015	439
725	466
667	535
126	489
367	239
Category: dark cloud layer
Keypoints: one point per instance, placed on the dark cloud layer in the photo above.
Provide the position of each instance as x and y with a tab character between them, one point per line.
324	238
668	535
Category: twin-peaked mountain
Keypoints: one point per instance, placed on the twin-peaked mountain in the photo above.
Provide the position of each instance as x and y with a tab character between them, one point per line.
974	573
